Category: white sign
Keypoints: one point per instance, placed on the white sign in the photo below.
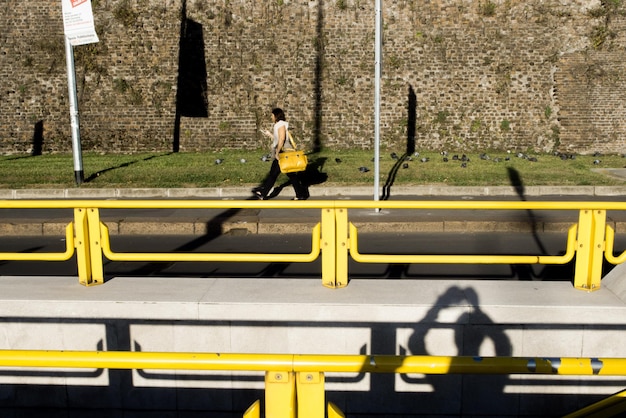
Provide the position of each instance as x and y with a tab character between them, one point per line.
78	22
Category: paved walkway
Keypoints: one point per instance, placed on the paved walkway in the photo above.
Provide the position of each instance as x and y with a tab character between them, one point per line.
18	222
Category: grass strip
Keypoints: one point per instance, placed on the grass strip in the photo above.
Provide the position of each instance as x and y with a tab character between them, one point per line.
343	167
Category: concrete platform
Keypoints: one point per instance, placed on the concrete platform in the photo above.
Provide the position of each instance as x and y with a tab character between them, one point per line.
184	299
433	317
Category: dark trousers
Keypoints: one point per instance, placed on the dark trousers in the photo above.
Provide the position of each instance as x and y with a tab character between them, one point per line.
268	183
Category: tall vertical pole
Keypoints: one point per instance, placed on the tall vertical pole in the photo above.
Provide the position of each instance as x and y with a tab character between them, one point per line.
378	66
79	174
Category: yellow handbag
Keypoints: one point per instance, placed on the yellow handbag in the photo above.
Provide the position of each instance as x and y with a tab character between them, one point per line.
292	161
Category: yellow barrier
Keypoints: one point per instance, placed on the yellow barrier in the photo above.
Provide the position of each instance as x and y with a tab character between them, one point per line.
232	257
590	241
463	259
613	406
64	256
294	384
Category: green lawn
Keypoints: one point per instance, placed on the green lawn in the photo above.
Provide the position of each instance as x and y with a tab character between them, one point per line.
346	167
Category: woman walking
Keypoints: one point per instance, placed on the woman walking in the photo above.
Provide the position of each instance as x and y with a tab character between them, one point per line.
279	142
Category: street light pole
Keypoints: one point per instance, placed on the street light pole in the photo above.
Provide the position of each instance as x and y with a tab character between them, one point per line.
377	71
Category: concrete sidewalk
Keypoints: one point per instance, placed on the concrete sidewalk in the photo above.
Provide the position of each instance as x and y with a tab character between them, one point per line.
32	222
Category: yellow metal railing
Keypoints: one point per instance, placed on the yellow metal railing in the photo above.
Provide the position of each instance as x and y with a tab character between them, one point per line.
589	241
463	259
232	257
38	256
613	406
294	383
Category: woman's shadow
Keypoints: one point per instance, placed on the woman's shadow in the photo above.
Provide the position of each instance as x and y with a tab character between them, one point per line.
474	335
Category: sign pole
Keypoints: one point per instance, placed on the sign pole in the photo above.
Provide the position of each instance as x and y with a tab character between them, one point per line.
79	173
79	29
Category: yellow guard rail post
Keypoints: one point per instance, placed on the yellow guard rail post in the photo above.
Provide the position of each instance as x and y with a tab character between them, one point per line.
591	244
88	246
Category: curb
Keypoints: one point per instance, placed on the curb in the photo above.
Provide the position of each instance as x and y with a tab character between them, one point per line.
333	191
235	227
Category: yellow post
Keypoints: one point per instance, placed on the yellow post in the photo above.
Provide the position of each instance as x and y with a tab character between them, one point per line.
341	247
334	411
254	411
83	257
590	249
280	395
95	246
310	394
328	248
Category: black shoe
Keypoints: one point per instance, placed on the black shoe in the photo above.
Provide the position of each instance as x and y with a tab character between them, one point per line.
258	194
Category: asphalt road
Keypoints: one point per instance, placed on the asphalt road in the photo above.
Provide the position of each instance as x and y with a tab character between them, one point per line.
385	243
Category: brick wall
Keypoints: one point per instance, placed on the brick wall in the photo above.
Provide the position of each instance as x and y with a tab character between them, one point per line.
198	74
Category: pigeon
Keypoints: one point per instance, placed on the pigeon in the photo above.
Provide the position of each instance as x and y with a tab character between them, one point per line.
394	155
243	161
464	165
416	154
337	160
424	159
364	169
455	157
484	157
596	162
496	160
596	154
444	153
405	165
266	157
445	159
532	159
218	161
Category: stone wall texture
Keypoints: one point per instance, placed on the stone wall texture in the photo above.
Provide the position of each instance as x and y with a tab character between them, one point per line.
189	75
